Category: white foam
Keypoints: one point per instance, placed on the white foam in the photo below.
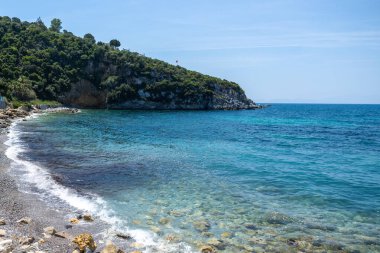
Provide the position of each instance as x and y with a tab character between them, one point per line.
42	180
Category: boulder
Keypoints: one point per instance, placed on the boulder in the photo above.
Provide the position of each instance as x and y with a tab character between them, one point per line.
6	246
2	222
74	221
85	241
26	240
2	232
25	220
50	230
111	248
88	217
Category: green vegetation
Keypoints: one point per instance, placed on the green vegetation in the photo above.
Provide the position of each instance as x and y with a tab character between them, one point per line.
37	62
36	102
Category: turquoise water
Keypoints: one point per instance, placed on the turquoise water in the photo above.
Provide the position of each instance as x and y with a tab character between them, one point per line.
286	178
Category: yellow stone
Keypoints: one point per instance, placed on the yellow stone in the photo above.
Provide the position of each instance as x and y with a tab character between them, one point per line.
226	234
74	221
85	241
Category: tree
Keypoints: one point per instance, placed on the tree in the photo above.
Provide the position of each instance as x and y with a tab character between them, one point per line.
89	37
56	25
115	43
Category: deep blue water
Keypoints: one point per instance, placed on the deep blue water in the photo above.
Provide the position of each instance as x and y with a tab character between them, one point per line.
290	172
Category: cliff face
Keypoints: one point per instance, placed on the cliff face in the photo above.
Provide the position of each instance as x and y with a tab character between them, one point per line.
84	94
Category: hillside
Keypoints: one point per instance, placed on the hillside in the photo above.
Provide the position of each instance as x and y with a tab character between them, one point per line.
40	62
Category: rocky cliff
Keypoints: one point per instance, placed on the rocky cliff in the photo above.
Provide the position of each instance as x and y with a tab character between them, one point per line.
37	62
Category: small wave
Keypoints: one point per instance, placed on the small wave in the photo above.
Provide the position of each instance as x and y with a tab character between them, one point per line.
40	178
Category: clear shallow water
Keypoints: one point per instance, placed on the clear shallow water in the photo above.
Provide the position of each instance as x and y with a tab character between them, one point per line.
285	178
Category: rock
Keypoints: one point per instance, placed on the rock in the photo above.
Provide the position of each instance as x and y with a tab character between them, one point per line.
6	246
46	236
176	213
219	244
250	226
164	221
277	218
74	221
85	241
207	234
50	230
2	232
26	240
226	235
202	226
292	242
68	226
25	220
2	222
155	229
76	251
111	248
88	217
124	236
207	249
41	241
63	234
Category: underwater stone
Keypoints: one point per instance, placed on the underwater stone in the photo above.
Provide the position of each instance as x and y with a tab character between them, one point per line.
201	226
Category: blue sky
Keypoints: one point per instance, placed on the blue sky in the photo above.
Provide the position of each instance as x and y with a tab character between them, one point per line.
315	51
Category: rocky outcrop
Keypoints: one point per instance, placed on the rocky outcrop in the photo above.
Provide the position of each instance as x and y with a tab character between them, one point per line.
85	95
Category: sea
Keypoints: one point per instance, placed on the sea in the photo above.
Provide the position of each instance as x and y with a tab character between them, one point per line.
287	178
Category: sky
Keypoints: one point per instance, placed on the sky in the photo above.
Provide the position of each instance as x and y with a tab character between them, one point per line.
295	51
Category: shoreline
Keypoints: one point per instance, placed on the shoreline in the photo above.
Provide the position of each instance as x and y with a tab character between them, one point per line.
31	235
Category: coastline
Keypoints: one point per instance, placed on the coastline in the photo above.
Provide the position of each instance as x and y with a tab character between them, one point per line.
15	205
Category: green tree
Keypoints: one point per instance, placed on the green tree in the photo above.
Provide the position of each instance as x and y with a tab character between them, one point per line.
115	43
56	25
89	37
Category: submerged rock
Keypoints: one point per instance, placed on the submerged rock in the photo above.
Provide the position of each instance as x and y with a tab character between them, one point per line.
226	235
202	226
207	249
164	221
85	241
277	218
219	244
